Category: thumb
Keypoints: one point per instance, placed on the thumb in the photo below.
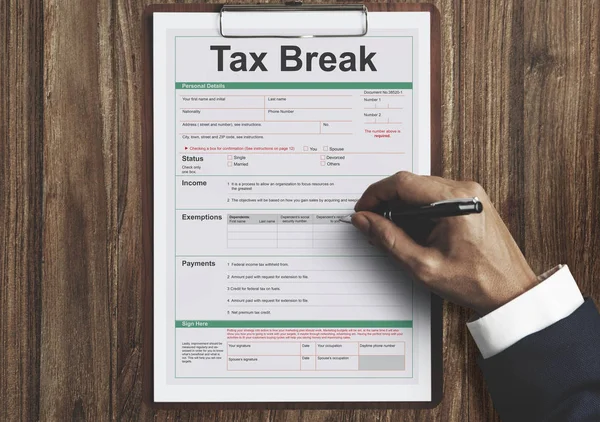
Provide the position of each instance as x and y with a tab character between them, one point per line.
393	239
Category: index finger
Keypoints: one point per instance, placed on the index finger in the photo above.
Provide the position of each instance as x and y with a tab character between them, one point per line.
406	187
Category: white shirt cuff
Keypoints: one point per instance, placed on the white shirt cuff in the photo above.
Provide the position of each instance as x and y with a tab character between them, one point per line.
538	308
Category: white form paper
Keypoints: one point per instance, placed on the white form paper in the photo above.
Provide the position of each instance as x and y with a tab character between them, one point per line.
260	145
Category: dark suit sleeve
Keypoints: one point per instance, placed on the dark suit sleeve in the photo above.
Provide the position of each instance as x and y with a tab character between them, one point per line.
551	375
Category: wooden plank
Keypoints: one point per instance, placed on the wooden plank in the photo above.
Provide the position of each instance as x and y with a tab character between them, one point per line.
128	98
79	248
21	111
454	403
491	149
562	138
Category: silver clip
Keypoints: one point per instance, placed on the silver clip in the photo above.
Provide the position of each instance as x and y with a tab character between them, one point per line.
293	6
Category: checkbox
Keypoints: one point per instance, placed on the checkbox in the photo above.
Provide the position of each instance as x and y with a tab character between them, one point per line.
230	157
229	163
305	148
322	157
322	163
325	148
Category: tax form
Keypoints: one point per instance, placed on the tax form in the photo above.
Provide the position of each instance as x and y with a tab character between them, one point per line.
260	146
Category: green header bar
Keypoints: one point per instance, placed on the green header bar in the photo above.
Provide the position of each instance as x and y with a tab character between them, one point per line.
293	85
292	324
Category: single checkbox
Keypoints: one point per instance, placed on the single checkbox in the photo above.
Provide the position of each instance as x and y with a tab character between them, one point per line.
230	157
322	163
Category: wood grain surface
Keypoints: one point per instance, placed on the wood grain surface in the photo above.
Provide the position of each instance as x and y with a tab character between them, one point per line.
520	114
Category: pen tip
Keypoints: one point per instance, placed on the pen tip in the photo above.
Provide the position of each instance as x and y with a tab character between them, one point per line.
347	219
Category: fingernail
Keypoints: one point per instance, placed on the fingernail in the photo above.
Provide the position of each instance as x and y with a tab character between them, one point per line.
362	223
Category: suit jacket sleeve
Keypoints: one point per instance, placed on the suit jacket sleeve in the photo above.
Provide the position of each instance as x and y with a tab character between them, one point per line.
551	375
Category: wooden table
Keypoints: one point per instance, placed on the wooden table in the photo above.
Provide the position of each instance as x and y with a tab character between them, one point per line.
521	114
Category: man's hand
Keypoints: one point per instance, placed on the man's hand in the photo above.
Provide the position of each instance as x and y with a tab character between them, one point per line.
471	260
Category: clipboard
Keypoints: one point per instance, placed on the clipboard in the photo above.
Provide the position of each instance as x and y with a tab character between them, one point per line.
148	196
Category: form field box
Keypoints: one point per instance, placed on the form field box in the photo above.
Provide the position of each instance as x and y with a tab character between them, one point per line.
308	101
337	363
314	301
309	363
346	236
345	277
204	102
287	228
333	348
308	348
252	235
385	348
252	228
291	243
297	235
260	127
336	127
338	226
217	115
263	348
301	287
263	363
327	244
252	243
310	115
382	363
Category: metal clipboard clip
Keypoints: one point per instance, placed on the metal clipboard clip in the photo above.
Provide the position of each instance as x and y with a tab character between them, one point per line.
295	6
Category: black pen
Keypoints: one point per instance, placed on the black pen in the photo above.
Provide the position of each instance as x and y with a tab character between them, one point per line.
447	208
